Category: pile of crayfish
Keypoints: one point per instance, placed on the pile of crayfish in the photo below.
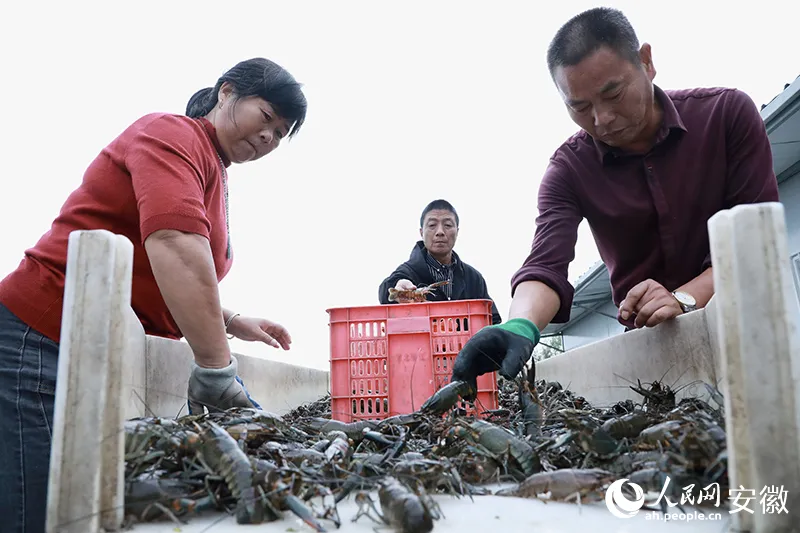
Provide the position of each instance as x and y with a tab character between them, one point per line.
543	442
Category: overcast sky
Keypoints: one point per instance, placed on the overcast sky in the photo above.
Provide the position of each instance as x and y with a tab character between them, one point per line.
408	102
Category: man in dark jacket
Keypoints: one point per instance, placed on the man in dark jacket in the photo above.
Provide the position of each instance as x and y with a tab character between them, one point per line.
433	259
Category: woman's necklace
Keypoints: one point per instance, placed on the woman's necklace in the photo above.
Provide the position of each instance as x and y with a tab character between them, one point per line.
227	217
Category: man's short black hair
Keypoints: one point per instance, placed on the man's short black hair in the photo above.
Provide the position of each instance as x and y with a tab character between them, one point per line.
444	205
586	32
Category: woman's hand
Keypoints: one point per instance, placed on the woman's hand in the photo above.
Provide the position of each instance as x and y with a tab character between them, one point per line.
217	389
260	329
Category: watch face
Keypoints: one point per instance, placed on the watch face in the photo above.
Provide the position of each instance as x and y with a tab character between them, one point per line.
684	299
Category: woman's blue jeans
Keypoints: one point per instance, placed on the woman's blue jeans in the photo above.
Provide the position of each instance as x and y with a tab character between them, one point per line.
28	368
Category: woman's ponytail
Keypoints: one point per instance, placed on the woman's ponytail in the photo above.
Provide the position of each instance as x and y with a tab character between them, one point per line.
201	103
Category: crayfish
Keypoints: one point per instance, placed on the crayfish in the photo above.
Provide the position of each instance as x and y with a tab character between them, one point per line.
248	480
529	403
563	484
151	498
414	295
353	430
498	443
446	397
403	510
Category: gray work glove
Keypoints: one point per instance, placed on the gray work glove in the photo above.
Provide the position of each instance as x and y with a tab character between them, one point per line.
217	389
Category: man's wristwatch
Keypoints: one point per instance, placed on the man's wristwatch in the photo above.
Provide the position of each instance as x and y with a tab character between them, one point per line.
686	301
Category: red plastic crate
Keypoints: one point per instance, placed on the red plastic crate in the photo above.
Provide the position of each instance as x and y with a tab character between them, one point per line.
387	360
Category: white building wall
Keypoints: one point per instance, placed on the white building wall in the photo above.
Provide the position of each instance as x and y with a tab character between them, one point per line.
593	327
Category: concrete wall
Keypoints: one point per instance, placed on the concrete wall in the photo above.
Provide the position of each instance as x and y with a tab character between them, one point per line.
681	352
790	198
593	327
156	374
789	192
134	369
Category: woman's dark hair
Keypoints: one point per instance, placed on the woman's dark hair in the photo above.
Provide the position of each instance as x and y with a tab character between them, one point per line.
256	77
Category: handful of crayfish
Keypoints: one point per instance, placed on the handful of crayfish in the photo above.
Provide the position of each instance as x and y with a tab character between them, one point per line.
414	295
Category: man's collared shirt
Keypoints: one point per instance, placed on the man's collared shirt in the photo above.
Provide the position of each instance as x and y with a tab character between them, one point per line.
649	212
441	272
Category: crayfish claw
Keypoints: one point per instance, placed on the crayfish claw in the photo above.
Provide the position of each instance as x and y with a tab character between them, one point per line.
303	512
445	398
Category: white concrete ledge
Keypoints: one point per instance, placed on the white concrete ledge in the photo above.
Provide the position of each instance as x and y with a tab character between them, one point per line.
157	373
276	386
86	471
760	351
678	353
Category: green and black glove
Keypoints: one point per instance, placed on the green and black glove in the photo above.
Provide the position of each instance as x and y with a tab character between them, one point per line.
504	347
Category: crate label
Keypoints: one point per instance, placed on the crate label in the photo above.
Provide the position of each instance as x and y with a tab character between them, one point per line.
416	324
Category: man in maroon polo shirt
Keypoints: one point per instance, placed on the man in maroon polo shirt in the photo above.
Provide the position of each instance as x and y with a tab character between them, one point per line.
647	171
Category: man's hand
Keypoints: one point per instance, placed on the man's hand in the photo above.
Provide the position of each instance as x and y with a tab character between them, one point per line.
217	389
504	347
260	329
404	285
650	303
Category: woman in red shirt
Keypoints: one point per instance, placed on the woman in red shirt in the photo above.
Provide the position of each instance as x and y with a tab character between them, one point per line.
162	183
